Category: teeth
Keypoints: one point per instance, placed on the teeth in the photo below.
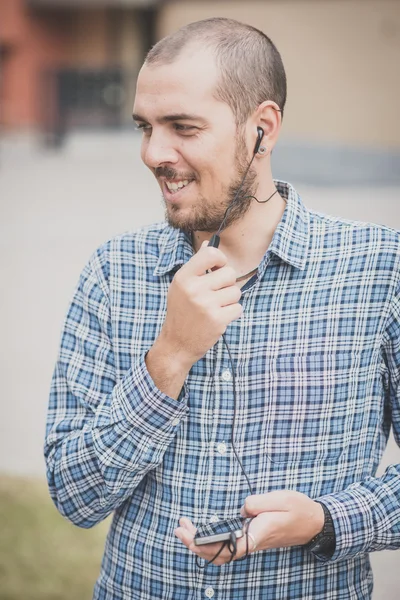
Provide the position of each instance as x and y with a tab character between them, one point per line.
177	186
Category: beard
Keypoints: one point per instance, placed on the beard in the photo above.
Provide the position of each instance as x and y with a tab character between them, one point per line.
207	215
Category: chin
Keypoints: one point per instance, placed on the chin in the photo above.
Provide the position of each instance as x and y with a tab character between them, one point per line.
182	224
178	220
190	219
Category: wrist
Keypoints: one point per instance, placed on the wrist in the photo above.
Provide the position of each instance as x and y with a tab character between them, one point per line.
166	368
173	355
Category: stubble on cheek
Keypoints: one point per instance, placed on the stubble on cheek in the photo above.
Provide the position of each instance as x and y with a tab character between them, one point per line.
197	215
206	213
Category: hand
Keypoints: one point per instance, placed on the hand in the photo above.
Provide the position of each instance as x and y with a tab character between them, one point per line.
200	305
281	519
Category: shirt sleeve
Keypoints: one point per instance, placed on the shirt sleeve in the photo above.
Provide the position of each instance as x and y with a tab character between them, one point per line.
366	515
102	435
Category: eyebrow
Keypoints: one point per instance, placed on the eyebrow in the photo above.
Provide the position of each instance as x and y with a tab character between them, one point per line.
169	118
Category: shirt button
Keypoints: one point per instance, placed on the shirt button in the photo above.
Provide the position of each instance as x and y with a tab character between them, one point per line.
209	592
214	519
227	375
221	448
175	422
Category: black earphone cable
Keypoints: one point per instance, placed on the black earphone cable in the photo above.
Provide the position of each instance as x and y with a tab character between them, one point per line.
214	242
232	544
234	413
231	205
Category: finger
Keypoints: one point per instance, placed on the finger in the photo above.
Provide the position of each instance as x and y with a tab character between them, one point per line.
242	545
205	259
231	312
257	503
187	524
221	278
209	551
184	536
252	540
228	296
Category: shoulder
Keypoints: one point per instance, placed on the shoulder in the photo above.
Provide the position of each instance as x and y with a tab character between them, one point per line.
363	252
346	233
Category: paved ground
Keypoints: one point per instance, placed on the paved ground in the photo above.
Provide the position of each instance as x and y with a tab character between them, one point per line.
55	209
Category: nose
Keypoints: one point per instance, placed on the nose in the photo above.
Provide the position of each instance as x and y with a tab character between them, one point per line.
158	150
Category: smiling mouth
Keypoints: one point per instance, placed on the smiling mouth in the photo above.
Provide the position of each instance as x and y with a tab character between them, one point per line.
175	186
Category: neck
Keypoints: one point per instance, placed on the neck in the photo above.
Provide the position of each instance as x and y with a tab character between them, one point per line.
245	242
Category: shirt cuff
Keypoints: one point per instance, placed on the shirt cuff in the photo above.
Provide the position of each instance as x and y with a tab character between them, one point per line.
138	401
352	520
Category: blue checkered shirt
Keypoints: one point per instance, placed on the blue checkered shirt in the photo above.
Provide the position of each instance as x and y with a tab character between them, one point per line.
316	355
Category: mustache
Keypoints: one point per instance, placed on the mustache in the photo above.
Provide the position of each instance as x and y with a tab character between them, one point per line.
170	173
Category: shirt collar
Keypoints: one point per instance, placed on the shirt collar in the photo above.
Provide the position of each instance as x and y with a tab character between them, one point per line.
290	240
175	250
291	237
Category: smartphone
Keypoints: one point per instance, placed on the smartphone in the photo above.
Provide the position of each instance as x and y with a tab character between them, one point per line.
219	532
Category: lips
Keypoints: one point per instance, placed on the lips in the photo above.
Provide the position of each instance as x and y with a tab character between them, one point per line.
173	186
173	190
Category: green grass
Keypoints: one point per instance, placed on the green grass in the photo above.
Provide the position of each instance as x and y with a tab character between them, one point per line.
42	556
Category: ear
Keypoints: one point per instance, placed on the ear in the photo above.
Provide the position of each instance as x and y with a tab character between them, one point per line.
269	117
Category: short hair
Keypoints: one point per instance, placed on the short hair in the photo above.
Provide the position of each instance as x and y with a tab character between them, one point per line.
250	67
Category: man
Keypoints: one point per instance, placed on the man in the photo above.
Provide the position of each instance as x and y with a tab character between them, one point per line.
147	397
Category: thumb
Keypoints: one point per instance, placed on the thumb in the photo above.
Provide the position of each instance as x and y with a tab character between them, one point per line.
258	503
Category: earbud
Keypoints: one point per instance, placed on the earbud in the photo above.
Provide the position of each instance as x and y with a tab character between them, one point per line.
260	135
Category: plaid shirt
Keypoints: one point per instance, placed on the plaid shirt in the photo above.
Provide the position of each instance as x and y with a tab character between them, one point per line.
317	356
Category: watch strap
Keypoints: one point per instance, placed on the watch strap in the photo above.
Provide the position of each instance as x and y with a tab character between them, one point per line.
324	543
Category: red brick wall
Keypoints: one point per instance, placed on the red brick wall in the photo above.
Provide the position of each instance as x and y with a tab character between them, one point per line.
33	41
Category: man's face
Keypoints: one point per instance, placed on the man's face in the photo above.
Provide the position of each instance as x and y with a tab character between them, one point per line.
191	143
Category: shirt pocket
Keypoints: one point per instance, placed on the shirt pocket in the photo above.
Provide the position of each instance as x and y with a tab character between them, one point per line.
311	401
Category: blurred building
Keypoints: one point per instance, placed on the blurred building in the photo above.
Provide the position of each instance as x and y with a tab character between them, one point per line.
342	59
64	62
76	61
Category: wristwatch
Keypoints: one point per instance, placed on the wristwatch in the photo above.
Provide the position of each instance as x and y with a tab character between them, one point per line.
324	543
